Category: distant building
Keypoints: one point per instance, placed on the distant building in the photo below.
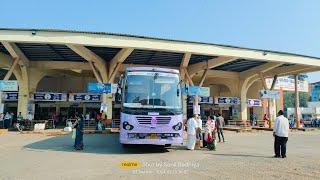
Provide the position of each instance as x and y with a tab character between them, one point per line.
315	91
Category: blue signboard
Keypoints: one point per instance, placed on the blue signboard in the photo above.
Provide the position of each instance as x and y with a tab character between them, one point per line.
84	97
13	96
200	91
48	96
254	102
227	100
99	88
202	100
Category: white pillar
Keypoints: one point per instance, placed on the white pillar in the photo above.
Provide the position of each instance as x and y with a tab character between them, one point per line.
244	105
297	103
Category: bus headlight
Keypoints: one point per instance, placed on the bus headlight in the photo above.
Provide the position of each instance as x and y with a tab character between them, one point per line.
178	126
127	126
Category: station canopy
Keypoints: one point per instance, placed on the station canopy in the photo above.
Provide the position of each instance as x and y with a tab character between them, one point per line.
52	45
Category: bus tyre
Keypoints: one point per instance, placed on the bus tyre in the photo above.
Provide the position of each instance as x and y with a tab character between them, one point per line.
126	145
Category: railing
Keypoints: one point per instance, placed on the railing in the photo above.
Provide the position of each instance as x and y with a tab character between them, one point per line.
238	123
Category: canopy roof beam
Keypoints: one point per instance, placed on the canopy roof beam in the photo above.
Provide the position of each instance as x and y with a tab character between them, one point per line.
16	53
116	62
90	56
259	69
201	66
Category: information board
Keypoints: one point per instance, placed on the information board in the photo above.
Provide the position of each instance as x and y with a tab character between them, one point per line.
49	96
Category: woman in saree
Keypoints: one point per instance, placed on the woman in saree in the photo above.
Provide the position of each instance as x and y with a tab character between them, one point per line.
78	143
209	135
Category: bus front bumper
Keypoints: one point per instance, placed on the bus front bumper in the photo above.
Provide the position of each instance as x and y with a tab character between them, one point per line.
172	141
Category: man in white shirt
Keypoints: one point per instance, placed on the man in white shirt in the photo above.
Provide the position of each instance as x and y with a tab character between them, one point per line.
280	133
29	117
192	127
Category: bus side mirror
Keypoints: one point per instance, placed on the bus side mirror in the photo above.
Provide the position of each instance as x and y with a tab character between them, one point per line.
118	96
120	80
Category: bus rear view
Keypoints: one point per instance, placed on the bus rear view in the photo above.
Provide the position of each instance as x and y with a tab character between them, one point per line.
151	110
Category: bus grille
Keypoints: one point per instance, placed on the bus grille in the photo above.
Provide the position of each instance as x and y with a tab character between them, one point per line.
146	120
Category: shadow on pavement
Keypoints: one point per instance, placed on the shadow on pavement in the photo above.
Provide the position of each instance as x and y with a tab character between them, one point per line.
241	155
94	143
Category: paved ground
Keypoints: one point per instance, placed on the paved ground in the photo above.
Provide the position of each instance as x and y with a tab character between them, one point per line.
244	156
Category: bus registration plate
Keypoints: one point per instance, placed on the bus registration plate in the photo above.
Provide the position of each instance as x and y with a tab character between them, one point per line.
153	136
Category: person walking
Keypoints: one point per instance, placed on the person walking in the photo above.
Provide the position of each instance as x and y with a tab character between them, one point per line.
280	133
192	129
219	124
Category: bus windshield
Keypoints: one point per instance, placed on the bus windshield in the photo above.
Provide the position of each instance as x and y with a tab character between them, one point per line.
152	90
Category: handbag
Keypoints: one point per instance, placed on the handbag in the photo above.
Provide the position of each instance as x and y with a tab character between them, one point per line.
73	134
210	139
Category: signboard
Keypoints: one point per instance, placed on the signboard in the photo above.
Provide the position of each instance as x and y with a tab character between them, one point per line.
10	96
48	96
267	94
227	100
102	88
202	100
10	85
287	84
200	91
84	97
254	102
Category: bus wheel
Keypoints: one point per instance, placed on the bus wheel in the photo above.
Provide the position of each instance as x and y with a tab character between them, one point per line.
126	145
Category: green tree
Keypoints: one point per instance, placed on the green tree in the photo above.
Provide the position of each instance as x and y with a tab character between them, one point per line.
289	99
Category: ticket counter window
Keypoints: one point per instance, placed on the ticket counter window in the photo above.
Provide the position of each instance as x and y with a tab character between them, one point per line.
44	113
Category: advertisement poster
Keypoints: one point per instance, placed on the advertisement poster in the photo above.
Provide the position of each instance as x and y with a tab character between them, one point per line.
102	88
200	91
267	94
10	85
287	84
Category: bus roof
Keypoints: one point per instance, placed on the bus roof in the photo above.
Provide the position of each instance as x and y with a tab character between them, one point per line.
153	69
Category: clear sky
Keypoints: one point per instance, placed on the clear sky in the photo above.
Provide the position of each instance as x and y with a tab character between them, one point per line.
283	25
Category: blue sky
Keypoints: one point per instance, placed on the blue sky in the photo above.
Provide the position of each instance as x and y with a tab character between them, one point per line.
286	25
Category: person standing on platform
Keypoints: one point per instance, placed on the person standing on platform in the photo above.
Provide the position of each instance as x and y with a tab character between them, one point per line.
199	129
78	143
2	120
209	135
19	118
219	125
280	133
192	130
7	118
29	118
266	120
87	116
